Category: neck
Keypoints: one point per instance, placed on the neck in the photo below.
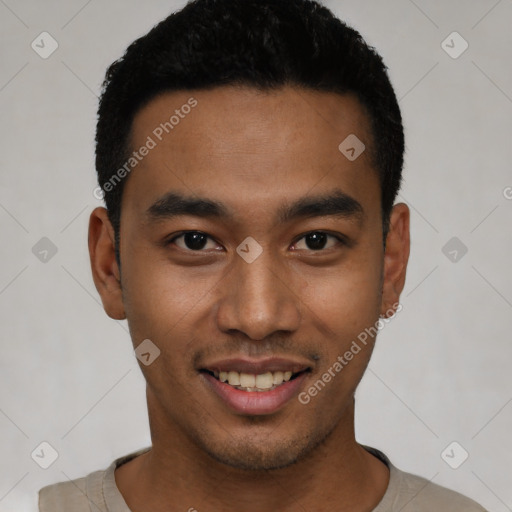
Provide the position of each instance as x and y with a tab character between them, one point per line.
176	471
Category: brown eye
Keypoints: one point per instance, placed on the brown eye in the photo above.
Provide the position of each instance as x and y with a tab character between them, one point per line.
192	240
317	240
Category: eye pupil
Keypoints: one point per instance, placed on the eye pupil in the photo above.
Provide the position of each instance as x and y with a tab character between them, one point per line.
316	241
195	241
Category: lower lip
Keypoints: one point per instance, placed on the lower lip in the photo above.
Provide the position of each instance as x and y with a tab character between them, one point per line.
255	402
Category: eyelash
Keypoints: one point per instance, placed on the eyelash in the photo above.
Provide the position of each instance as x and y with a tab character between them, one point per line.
341	240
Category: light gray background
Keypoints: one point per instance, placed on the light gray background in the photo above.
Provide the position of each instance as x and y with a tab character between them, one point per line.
441	369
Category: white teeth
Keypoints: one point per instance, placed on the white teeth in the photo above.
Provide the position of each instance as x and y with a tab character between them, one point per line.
278	378
249	382
234	378
265	381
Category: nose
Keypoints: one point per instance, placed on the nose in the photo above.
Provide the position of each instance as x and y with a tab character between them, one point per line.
258	299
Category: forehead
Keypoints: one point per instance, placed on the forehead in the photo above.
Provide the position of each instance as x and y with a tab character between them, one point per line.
246	147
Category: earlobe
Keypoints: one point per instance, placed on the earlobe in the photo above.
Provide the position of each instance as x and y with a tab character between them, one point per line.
396	257
105	271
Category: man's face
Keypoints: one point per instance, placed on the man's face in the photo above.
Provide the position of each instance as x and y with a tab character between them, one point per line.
296	307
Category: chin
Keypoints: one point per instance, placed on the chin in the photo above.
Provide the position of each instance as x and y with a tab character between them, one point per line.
258	453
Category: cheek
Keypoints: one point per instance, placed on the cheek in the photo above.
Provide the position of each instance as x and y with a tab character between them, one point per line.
345	309
347	298
157	296
160	306
345	306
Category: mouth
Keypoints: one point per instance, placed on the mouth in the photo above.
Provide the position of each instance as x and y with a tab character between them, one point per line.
255	387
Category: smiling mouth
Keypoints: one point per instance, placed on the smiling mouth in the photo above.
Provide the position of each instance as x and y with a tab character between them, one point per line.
254	383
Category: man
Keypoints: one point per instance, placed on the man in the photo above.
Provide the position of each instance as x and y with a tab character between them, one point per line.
250	153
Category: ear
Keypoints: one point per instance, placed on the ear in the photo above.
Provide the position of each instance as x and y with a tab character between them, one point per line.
105	270
396	257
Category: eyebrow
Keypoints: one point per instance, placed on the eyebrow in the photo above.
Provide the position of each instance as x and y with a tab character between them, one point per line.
336	204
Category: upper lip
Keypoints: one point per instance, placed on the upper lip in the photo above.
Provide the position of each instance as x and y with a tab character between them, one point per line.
257	366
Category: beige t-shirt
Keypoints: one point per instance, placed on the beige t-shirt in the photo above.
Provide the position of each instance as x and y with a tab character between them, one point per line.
97	492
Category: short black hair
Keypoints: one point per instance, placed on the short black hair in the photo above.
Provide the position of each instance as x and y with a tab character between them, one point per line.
265	44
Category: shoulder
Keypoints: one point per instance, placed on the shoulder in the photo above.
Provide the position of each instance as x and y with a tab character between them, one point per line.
412	493
69	496
97	491
415	493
